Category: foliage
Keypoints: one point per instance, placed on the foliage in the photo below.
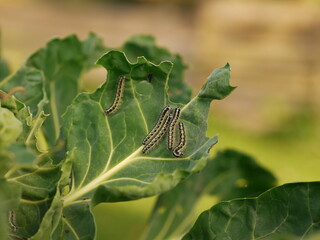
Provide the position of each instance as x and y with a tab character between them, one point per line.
61	154
291	208
228	175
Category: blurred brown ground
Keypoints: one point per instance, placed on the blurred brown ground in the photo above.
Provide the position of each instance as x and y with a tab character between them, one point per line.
272	46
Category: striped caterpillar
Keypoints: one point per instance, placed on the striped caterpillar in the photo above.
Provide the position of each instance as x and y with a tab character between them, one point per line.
177	151
159	136
12	221
166	123
117	99
163	116
176	115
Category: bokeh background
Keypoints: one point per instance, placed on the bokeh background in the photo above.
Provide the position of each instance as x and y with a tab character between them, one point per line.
272	46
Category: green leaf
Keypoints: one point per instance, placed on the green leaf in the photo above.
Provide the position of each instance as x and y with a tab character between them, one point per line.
33	81
31	127
146	46
52	217
230	174
11	103
10	127
37	183
77	222
62	62
236	175
218	87
16	166
108	148
9	198
21	155
13	127
92	48
38	186
291	209
72	222
34	96
4	68
52	73
6	162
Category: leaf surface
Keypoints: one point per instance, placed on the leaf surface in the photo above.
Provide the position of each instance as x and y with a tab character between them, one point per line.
146	46
38	188
290	209
9	198
108	148
51	78
33	81
73	222
77	222
228	175
31	126
4	68
36	184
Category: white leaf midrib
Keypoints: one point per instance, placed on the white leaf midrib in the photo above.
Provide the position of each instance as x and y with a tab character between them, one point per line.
101	178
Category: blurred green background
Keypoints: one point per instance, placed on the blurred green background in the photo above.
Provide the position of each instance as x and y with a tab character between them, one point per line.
272	46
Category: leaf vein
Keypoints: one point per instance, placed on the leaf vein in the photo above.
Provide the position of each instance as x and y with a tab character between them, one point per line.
71	228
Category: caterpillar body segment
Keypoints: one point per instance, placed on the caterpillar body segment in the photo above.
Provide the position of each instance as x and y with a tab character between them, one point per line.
117	99
12	221
157	138
177	151
163	117
175	118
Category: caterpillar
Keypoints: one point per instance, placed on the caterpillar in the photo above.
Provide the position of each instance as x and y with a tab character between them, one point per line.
116	102
163	116
12	221
176	115
177	151
159	135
